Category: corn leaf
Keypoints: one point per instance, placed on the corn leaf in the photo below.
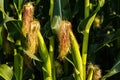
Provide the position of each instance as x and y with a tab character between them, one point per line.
6	72
18	65
13	28
115	69
18	4
6	18
1	15
2	4
86	23
45	57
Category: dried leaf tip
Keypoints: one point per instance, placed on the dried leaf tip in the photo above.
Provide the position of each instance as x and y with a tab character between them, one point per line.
28	12
64	40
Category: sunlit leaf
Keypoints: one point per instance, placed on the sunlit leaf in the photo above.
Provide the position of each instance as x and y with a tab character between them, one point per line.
7	19
44	55
6	72
2	4
86	23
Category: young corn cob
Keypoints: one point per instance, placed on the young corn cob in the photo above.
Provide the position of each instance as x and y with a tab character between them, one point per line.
29	30
28	12
64	40
32	43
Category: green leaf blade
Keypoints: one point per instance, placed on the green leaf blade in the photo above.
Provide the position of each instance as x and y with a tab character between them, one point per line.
86	23
18	65
115	69
18	4
6	72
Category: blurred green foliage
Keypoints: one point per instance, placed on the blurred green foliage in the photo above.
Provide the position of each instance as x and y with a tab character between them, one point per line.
104	39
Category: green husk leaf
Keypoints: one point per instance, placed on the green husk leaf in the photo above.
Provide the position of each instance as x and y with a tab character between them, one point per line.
55	25
43	51
6	72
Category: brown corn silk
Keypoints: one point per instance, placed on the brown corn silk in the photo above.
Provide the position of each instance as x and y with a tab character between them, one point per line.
64	40
29	28
32	37
28	12
97	73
